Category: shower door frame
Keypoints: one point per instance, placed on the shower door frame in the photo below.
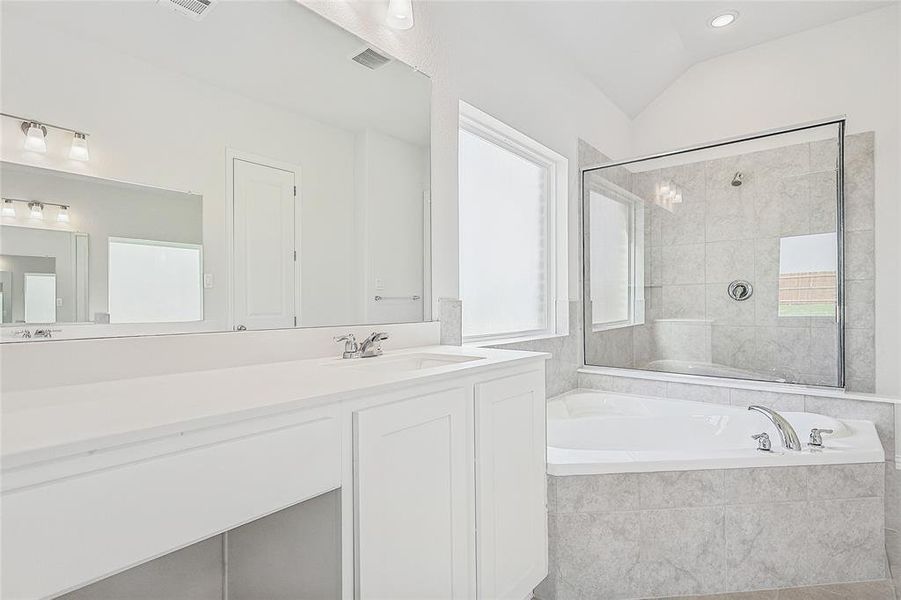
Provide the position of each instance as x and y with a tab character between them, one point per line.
839	121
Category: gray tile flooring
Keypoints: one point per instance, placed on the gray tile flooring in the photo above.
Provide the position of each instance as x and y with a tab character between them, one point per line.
870	590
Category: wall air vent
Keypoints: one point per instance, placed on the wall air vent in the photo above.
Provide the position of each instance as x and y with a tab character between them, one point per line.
371	59
196	9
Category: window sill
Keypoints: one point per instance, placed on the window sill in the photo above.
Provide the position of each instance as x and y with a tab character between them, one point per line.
513	340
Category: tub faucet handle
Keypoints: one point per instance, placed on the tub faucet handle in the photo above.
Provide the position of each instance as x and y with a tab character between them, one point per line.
763	442
816	437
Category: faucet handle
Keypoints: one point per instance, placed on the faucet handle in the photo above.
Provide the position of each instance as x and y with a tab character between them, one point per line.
763	442
351	348
816	437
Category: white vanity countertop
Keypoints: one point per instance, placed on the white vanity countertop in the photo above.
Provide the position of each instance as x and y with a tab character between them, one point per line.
61	421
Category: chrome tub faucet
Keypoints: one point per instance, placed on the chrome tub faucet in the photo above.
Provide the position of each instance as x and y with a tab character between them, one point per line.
787	433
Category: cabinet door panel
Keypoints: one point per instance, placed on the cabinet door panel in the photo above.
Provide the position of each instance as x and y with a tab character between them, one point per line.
511	485
413	478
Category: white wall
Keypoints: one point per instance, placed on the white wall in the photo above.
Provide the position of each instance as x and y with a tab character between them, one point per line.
505	76
850	67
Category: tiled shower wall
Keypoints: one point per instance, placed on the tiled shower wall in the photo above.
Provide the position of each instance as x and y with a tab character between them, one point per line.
720	233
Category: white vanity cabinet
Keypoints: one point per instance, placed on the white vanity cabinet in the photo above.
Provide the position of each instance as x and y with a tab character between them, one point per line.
449	491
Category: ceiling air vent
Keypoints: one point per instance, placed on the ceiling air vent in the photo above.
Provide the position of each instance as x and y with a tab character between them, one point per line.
196	9
371	59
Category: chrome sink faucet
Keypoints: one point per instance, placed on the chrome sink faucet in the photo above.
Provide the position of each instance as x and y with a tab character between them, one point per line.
787	433
372	345
351	348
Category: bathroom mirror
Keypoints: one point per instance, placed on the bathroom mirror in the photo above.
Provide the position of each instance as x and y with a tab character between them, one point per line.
250	166
724	260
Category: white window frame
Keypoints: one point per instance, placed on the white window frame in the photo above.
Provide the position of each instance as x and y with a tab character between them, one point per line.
142	242
636	260
494	131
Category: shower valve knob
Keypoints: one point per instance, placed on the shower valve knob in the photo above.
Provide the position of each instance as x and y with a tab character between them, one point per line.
816	437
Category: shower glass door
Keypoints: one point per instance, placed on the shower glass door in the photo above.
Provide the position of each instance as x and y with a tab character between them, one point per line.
724	260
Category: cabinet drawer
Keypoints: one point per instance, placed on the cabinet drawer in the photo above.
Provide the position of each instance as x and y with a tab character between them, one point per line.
63	534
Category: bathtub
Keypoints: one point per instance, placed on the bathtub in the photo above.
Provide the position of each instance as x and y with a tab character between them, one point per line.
595	432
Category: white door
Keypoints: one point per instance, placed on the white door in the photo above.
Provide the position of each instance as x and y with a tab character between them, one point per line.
264	250
511	485
413	480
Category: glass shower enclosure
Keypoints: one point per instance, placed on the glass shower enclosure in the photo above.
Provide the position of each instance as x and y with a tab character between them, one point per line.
722	260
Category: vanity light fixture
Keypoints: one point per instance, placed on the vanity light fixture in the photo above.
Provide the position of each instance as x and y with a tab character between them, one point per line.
35	136
724	19
79	149
63	215
400	14
36	210
9	209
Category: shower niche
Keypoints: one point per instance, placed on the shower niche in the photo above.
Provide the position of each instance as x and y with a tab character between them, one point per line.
724	260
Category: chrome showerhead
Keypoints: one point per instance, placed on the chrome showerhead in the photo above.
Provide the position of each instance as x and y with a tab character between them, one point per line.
736	181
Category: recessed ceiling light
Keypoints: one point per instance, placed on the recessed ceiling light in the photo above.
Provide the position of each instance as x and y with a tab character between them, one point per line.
724	19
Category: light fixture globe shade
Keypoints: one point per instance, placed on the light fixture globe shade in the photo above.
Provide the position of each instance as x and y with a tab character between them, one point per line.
36	210
79	149
400	14
8	209
63	215
35	138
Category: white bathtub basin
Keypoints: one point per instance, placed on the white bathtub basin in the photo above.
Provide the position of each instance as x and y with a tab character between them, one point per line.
599	432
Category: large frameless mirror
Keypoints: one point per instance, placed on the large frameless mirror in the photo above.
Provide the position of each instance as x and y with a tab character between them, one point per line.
253	166
720	261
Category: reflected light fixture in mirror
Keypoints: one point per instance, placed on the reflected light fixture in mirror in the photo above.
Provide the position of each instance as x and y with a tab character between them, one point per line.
35	137
9	210
400	14
36	210
63	215
79	149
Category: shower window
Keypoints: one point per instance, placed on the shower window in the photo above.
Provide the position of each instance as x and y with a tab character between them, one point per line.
669	239
617	275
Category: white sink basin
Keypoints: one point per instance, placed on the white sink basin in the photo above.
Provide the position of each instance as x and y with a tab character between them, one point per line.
406	362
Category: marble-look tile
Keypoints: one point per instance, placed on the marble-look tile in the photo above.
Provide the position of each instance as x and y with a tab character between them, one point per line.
683	225
783	207
859	255
611	348
761	595
800	543
624	385
824	155
730	215
723	310
682	265
598	553
643	345
681	489
774	400
728	261
881	414
765	485
845	481
551	494
733	346
893	551
652	265
893	503
860	360
682	340
860	310
450	314
860	187
596	493
682	551
824	353
823	202
683	302
867	590
699	393
783	350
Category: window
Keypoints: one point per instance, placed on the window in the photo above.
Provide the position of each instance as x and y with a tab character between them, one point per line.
807	275
616	257
154	282
513	196
40	297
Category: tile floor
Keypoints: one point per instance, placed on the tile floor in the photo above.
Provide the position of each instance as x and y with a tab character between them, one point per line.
870	590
